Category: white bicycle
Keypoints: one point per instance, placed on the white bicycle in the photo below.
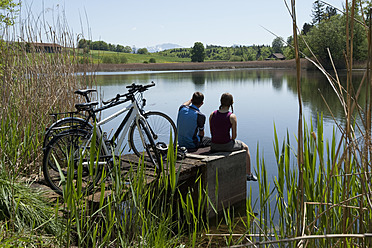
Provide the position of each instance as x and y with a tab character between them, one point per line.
74	146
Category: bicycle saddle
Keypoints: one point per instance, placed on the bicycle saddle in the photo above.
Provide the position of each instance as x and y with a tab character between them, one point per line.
84	92
85	106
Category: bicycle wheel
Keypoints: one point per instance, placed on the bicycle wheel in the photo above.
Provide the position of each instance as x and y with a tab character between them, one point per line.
67	159
161	126
63	125
146	145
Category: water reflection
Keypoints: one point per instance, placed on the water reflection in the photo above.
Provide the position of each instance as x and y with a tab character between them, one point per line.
317	94
198	79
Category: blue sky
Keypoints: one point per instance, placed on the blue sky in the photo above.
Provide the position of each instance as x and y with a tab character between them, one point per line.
145	23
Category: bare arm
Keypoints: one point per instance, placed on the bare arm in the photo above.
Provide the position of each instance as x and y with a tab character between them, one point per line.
201	133
210	118
234	123
188	103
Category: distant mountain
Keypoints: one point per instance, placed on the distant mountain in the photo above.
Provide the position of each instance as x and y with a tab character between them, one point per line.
162	47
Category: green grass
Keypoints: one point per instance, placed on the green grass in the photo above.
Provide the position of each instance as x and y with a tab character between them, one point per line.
135	58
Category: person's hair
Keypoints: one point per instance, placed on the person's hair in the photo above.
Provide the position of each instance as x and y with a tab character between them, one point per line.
197	98
227	100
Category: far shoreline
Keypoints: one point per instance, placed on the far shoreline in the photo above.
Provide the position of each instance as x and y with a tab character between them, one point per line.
283	64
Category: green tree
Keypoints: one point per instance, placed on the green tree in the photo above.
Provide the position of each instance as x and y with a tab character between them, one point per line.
99	45
306	28
83	43
127	49
227	54
277	45
198	52
329	12
119	48
331	34
111	47
265	52
317	12
251	54
142	51
8	11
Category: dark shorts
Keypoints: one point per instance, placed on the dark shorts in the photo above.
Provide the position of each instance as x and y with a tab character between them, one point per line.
233	145
205	142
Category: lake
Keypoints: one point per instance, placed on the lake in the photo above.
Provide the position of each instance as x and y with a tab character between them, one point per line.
262	98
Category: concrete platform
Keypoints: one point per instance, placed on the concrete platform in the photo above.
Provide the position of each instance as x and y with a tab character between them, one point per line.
222	174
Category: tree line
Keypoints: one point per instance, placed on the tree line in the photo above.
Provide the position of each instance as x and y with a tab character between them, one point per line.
199	53
87	45
326	31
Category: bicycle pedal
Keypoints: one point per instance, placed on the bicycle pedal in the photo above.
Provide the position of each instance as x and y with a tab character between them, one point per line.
162	146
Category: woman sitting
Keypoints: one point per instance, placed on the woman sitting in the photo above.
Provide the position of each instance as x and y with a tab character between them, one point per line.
220	122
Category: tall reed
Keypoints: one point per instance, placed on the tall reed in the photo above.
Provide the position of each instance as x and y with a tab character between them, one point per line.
34	83
36	80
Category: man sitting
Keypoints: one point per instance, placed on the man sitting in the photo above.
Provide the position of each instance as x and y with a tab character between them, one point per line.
190	124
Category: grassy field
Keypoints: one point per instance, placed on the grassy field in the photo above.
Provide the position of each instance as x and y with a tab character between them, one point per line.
98	57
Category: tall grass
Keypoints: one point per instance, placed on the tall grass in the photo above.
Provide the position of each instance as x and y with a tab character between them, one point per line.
34	83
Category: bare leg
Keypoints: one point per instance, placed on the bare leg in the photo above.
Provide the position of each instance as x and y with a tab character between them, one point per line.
248	162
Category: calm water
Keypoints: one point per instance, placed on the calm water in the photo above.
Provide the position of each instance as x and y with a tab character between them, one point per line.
262	97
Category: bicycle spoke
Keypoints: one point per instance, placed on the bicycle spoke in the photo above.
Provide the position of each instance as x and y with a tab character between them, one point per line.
66	148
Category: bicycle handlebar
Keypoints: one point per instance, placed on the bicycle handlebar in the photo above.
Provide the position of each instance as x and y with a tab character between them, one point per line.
133	88
138	87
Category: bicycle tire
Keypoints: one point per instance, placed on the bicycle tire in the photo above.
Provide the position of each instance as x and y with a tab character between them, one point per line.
161	127
61	151
149	144
63	125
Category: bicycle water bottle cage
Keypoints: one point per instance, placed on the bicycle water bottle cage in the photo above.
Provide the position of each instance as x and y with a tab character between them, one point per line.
86	106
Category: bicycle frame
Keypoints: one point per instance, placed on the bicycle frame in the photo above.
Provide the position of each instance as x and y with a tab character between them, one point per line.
133	116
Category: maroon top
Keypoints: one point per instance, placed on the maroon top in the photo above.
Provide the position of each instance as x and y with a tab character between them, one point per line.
220	127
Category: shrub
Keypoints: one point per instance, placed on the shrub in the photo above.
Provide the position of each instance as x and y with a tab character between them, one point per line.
235	58
114	59
84	60
123	59
152	60
107	59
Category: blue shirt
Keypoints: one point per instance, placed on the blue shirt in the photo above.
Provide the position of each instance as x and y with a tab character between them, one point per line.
189	122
